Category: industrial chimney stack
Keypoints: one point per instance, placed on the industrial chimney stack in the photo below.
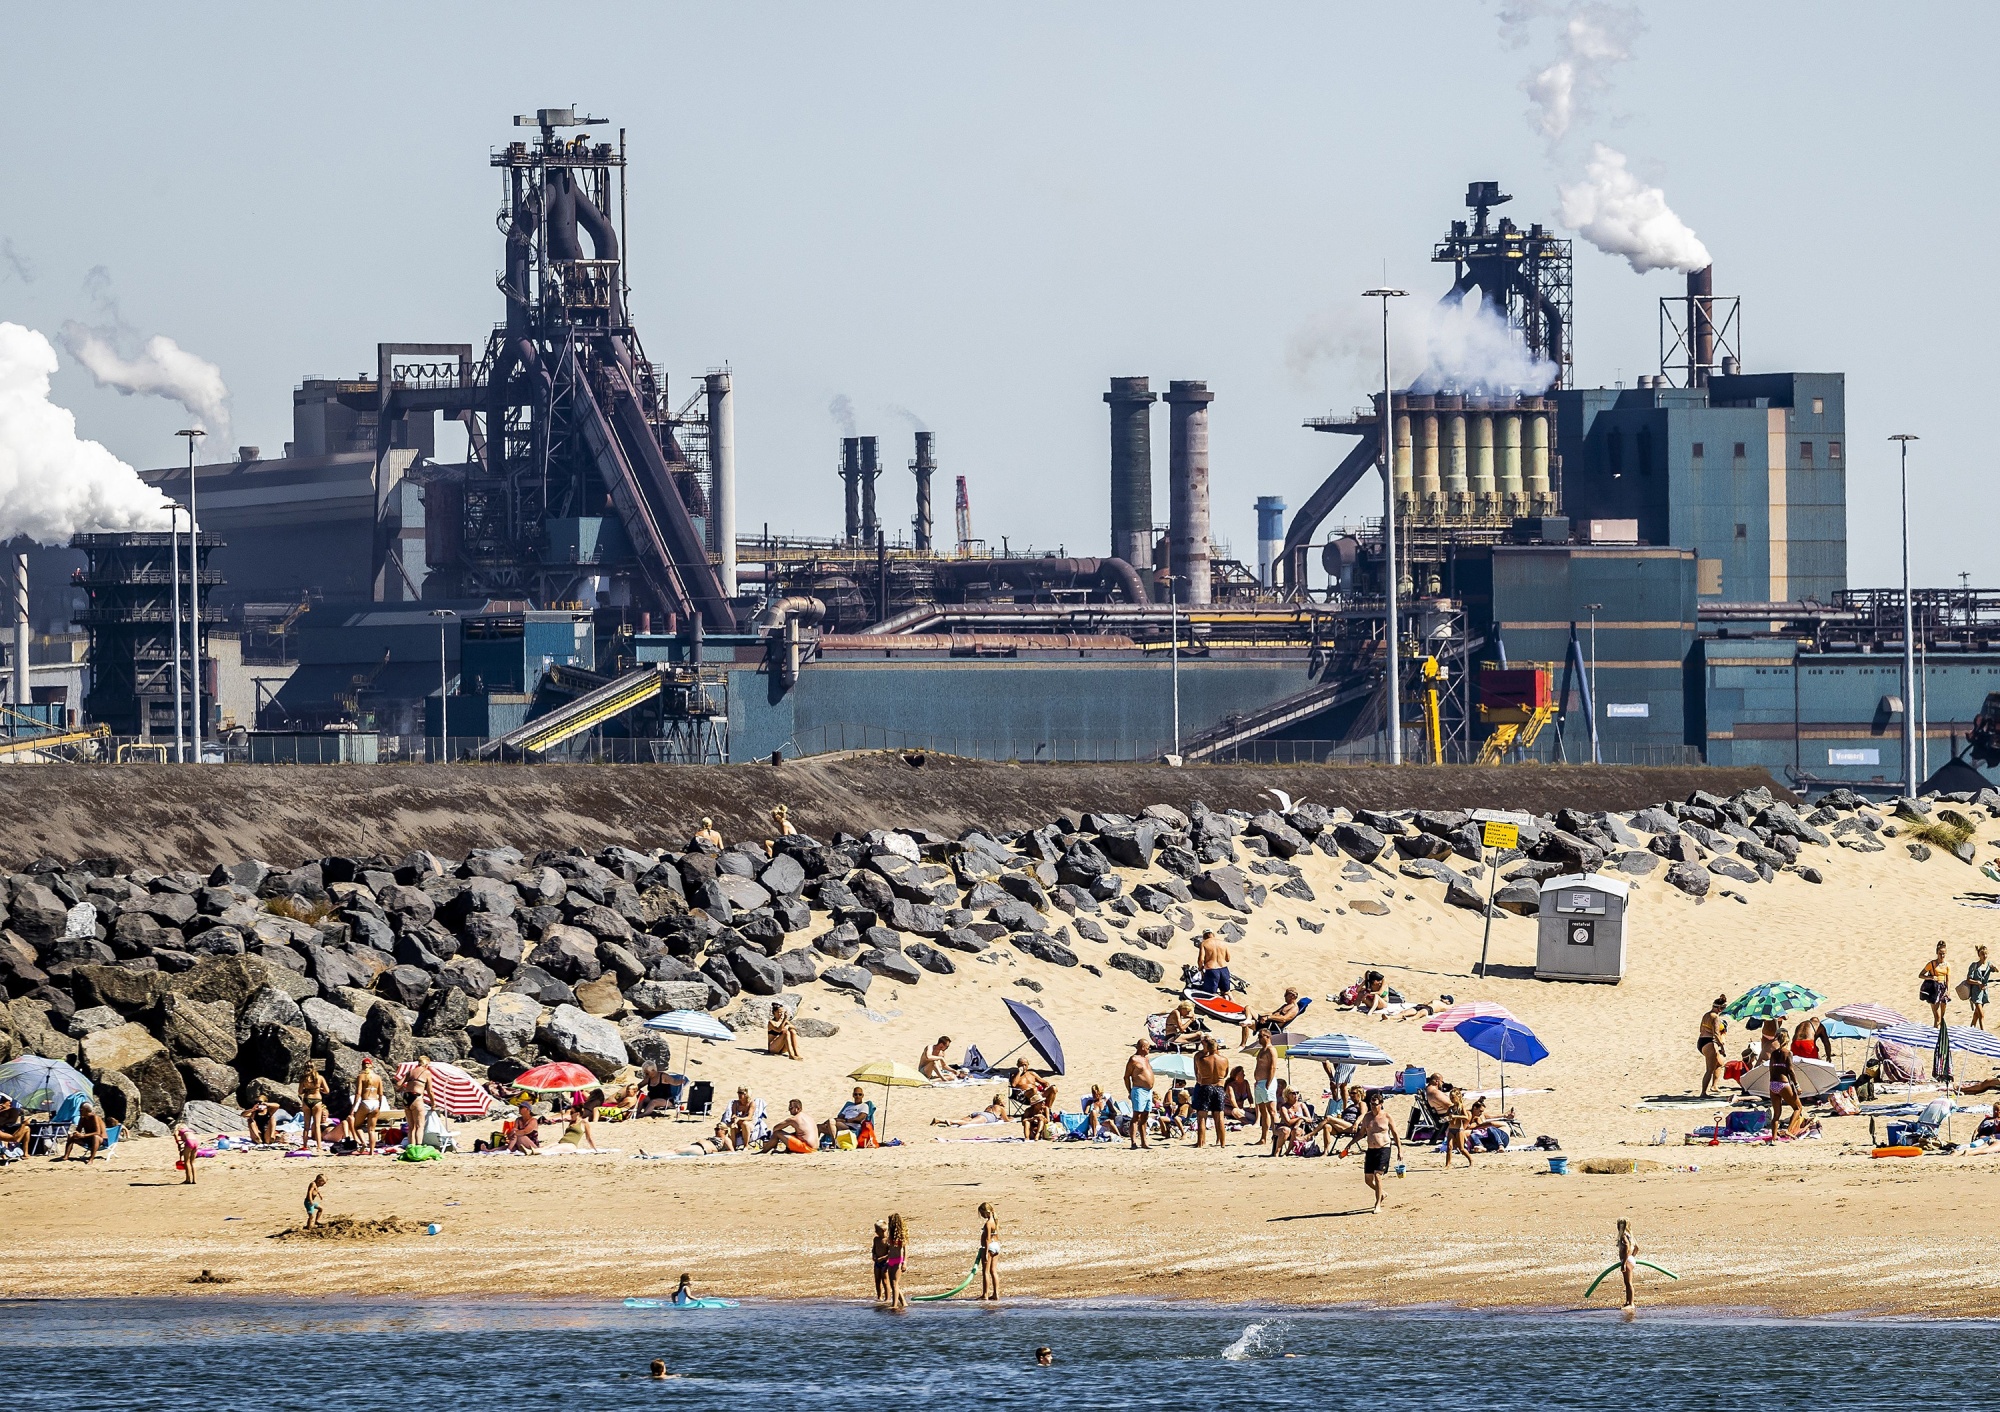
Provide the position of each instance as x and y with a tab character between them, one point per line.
1701	325
850	478
870	468
923	468
23	692
1132	472
1187	482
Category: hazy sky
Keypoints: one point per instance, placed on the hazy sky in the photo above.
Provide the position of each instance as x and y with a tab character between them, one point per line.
981	214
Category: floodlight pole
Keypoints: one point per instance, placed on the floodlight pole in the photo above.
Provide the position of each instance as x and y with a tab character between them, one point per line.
1391	607
444	692
174	556
1909	632
1596	756
194	434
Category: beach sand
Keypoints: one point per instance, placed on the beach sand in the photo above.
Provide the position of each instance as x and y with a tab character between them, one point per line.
1806	1227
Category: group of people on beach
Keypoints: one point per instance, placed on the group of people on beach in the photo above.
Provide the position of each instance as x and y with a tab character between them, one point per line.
890	1252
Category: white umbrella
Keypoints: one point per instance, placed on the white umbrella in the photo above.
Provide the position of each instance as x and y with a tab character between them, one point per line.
1340	1049
1868	1016
692	1023
1812	1076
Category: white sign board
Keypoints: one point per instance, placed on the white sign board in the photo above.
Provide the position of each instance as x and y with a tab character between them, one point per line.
1854	757
1628	710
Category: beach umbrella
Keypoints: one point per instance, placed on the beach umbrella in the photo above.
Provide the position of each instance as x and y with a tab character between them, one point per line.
1869	1017
1340	1049
1504	1040
1036	1032
453	1092
889	1074
39	1084
557	1078
1961	1037
1813	1077
692	1023
1773	999
1174	1066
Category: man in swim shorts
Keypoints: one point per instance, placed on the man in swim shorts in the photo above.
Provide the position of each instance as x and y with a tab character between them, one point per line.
1375	1131
1139	1083
1263	1087
794	1132
1210	1069
1212	956
367	1103
1709	1042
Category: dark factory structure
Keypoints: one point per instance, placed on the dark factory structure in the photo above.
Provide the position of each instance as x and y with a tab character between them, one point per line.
1582	572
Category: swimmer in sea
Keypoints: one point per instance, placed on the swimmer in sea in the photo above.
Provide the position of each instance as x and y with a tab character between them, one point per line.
660	1373
1045	1357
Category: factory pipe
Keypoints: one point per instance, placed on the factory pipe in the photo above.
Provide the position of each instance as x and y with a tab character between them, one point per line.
1700	325
1132	471
560	217
1270	537
1405	469
1451	447
1507	438
603	243
23	692
722	474
1187	477
850	477
923	468
870	525
1479	438
1109	574
1424	424
1535	452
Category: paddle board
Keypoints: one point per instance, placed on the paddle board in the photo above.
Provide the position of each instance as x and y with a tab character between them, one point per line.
1218	1007
689	1304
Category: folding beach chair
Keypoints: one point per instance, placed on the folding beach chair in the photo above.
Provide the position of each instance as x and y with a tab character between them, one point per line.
700	1099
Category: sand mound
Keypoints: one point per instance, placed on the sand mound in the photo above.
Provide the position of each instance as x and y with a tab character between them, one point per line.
349	1228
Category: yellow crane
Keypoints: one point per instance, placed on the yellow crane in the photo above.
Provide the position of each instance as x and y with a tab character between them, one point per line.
1517	702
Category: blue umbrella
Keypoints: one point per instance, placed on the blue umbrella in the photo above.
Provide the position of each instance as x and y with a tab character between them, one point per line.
1340	1049
1037	1032
38	1084
1504	1040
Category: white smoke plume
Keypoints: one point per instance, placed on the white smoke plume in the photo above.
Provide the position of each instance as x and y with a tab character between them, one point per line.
162	368
1621	215
842	412
1452	346
53	485
916	422
1595	39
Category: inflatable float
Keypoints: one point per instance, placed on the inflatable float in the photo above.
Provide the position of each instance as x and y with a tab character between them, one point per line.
955	1289
1609	1269
683	1304
1897	1152
1219	1007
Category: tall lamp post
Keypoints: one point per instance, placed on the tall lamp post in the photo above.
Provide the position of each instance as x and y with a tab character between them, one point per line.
1909	632
1389	532
173	508
444	687
1596	756
194	434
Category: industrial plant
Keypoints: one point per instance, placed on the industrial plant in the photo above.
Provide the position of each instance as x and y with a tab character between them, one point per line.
1652	574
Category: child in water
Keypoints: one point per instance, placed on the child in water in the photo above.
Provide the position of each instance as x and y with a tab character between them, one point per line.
881	1257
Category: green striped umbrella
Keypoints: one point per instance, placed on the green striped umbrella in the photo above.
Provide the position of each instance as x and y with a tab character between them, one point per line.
1772	999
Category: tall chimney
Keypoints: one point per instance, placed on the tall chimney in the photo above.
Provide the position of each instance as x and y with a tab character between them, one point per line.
1700	325
1132	472
1187	490
23	693
869	470
1270	537
922	468
722	474
850	477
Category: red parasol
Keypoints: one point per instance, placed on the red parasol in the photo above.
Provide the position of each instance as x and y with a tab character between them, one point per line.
557	1078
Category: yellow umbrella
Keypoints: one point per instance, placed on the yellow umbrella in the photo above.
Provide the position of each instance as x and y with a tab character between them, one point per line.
890	1074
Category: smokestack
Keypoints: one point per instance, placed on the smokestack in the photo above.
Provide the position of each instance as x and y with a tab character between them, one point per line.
1700	325
1270	537
922	468
1187	489
1132	472
870	525
850	476
23	693
722	474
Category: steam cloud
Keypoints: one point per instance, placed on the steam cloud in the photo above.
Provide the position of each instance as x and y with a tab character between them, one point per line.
842	412
1621	215
15	265
1457	346
162	369
916	422
53	485
1595	39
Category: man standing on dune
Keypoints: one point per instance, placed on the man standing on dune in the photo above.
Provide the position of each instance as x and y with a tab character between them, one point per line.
1139	1084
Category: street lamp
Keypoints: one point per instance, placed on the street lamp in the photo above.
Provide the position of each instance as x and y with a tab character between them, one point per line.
1909	631
1389	532
1596	758
194	434
173	508
444	685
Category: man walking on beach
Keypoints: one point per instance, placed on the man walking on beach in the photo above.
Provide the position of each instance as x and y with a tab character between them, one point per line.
1375	1131
1212	957
1263	1086
1139	1084
1210	1069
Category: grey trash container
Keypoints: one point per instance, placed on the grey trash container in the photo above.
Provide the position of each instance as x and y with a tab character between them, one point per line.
1582	929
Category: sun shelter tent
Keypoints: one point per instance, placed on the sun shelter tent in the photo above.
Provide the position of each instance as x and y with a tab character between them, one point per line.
1582	929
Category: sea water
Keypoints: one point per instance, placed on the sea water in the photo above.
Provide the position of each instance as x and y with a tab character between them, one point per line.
222	1354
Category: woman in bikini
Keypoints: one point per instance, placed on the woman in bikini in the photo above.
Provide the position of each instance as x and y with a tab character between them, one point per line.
1628	1252
1457	1122
1708	1043
989	1252
779	1036
892	1261
1289	1124
1934	985
1784	1090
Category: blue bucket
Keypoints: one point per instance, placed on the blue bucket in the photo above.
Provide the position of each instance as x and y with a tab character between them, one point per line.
1896	1133
1559	1166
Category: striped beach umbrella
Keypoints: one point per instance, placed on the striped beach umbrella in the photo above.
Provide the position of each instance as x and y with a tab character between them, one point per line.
1452	1016
1961	1038
453	1092
1772	999
1868	1016
1340	1049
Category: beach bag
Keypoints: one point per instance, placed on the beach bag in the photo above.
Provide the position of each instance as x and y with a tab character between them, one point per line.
867	1136
417	1152
1842	1102
1963	990
1747	1120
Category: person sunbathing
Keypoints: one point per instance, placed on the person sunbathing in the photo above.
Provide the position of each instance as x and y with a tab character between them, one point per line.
262	1118
663	1095
527	1134
994	1112
794	1132
1238	1099
1096	1111
1035	1123
13	1125
1025	1082
1486	1129
935	1066
1289	1124
88	1133
854	1116
577	1132
733	1131
1174	1109
779	1035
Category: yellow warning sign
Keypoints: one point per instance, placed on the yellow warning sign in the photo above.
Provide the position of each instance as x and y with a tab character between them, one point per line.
1498	835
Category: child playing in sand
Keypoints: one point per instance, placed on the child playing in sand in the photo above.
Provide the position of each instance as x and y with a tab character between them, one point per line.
1628	1251
313	1190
